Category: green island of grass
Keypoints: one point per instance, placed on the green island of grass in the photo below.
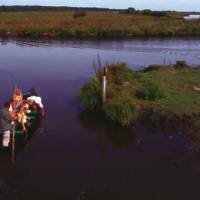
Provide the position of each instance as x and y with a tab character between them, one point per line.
163	95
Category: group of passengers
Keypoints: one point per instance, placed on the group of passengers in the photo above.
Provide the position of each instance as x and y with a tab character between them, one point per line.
17	110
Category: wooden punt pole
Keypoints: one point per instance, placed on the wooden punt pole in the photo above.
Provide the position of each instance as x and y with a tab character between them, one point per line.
13	143
104	85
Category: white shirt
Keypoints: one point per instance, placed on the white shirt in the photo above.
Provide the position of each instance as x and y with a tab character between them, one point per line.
37	100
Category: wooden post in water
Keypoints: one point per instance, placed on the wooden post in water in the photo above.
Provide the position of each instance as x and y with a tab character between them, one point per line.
13	143
104	85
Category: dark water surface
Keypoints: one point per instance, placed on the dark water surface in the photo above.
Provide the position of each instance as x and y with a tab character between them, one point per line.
76	156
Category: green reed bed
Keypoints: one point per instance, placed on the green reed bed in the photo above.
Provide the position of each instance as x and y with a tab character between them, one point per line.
95	24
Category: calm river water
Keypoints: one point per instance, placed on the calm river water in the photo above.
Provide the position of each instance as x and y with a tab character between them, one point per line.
75	156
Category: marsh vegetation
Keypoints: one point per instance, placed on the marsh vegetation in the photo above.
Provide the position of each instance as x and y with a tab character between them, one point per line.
160	92
91	23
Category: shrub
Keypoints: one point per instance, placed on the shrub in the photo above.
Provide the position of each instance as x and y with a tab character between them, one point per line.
181	64
166	32
121	110
30	33
154	90
129	11
79	14
152	68
90	95
112	90
120	72
154	13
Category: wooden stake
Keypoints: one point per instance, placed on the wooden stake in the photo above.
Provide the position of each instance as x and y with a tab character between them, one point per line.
104	85
13	143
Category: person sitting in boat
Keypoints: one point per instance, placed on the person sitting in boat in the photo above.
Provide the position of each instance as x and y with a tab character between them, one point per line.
17	98
6	120
37	100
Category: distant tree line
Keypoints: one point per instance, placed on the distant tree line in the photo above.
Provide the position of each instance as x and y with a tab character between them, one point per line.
80	10
133	11
50	8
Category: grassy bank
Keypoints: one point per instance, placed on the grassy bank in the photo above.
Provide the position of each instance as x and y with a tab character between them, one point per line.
95	24
163	95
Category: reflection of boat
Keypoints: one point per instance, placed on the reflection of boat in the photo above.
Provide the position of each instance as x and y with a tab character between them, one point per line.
34	114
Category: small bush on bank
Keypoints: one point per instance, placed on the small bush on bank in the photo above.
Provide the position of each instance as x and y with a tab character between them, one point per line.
30	33
121	110
153	91
79	14
112	90
154	13
90	95
181	64
152	68
129	11
120	72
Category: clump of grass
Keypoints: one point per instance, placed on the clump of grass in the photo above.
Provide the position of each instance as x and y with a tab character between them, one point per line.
30	33
181	64
112	90
118	73
152	89
89	97
121	110
152	68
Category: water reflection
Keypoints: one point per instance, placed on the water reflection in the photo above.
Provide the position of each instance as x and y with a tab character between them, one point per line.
172	125
142	44
107	132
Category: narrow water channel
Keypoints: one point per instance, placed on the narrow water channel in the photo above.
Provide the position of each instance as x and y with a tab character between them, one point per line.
77	156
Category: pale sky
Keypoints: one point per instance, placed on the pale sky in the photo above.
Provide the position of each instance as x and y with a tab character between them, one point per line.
180	5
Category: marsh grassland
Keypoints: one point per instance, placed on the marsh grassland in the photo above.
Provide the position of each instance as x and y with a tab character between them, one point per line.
95	24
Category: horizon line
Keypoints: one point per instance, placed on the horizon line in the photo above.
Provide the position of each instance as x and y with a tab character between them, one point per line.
98	7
